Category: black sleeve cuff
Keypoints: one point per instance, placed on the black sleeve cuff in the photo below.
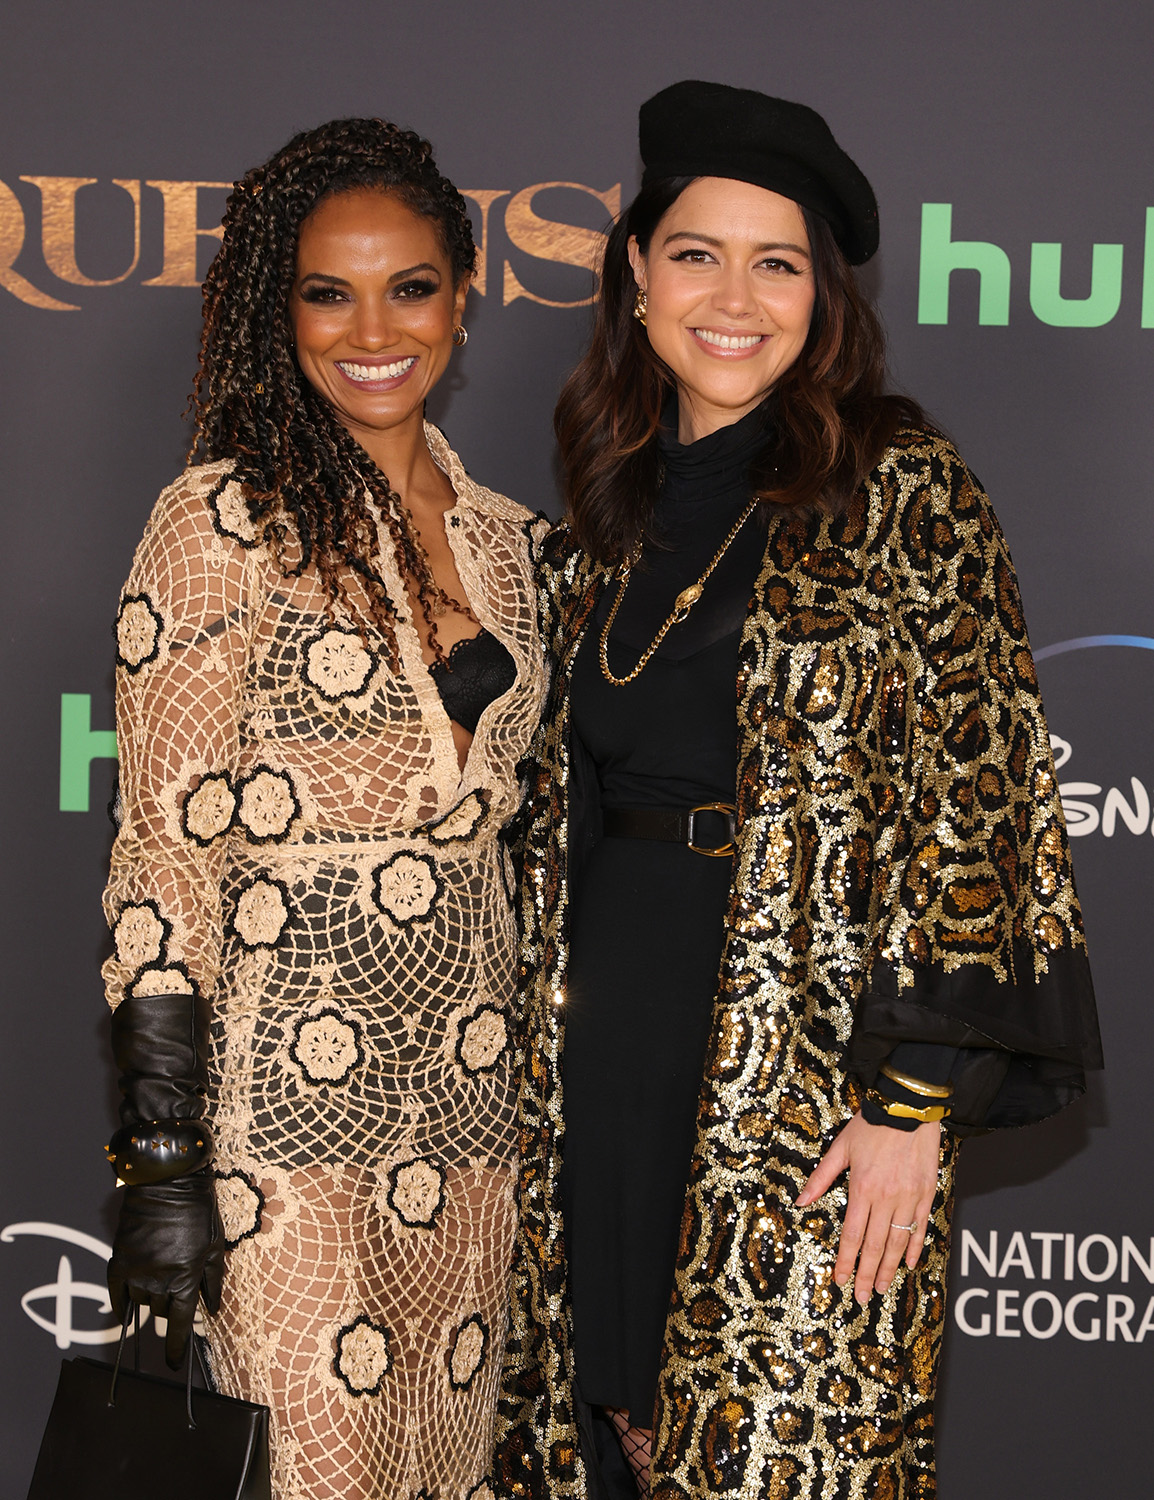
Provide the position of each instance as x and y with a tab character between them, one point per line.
874	1114
930	1062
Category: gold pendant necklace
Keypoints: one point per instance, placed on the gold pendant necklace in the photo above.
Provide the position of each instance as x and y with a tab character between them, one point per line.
684	602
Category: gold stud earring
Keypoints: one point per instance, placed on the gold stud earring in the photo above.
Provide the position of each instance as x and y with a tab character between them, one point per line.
640	307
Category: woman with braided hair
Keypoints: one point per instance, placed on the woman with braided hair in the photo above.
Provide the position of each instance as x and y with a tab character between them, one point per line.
328	670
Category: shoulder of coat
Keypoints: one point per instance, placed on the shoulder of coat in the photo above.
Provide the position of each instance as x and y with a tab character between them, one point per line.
922	499
559	547
919	448
920	466
564	566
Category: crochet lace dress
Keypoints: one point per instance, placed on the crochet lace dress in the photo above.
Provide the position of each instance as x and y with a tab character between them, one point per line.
300	845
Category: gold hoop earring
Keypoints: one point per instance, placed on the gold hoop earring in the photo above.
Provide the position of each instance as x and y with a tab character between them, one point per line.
460	336
640	307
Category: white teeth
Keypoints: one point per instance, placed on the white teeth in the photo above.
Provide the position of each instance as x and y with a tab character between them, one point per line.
375	372
727	340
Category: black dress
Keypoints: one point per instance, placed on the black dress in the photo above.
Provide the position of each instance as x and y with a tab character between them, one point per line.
648	919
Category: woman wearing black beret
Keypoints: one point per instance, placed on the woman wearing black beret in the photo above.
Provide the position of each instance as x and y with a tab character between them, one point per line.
798	902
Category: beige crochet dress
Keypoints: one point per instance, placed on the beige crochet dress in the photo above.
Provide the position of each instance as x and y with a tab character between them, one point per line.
300	845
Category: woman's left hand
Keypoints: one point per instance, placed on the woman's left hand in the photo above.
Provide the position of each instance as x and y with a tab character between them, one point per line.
893	1175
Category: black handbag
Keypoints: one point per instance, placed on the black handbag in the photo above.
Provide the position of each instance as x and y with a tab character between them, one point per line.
116	1434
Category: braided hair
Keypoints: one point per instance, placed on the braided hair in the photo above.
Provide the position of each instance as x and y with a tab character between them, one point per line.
308	483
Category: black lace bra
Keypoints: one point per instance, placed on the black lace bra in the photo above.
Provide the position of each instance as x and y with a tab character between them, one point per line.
478	670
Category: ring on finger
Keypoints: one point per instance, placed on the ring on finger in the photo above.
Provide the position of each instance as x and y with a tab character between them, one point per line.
906	1228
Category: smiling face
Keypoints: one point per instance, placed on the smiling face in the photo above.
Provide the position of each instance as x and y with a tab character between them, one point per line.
729	282
373	309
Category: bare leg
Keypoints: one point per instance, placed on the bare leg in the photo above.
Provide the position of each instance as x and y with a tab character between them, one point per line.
327	1254
636	1444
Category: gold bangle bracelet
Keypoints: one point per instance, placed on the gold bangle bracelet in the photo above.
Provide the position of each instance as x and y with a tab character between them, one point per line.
927	1116
917	1085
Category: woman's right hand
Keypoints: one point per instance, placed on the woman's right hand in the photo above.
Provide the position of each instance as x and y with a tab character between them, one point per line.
168	1251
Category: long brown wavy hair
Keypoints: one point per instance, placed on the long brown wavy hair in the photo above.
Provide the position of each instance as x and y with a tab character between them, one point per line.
306	479
832	416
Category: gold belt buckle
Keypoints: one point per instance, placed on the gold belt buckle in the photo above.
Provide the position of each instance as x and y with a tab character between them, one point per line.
724	851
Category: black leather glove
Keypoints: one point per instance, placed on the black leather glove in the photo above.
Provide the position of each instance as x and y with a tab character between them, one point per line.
168	1248
167	1253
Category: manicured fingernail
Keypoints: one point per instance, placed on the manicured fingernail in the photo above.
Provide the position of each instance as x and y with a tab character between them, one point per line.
841	1280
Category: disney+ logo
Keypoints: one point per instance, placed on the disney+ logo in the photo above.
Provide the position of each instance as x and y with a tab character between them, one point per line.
1130	808
61	1297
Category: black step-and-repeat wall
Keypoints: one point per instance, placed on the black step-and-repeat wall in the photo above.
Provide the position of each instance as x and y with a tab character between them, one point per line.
1010	148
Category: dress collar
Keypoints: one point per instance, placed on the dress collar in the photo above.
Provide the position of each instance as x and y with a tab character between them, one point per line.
470	494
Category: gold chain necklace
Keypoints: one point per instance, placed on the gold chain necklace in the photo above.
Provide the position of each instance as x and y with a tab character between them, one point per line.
684	602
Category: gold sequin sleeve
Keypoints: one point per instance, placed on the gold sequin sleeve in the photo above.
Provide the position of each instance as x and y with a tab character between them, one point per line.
979	939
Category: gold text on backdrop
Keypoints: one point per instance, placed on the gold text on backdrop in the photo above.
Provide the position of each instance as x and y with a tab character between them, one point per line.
179	229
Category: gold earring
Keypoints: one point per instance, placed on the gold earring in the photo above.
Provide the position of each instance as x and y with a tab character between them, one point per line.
460	336
640	307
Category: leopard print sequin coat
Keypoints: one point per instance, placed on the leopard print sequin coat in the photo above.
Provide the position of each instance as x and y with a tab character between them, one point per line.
902	873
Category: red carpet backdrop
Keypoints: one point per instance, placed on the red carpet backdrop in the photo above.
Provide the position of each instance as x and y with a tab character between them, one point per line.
1010	149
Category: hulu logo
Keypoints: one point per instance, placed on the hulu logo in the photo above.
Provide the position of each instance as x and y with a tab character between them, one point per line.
942	255
80	745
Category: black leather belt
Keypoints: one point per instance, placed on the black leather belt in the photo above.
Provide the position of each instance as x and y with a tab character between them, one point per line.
674	825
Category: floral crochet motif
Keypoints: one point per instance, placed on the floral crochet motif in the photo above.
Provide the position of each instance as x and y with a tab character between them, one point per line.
138	630
230	517
468	1352
262	913
268	805
363	1356
407	887
157	979
209	810
417	1192
483	1038
460	823
337	664
140	934
327	1047
239	1203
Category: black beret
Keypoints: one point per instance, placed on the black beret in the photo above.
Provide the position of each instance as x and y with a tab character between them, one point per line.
694	129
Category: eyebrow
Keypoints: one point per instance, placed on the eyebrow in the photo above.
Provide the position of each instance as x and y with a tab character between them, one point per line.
393	279
708	239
